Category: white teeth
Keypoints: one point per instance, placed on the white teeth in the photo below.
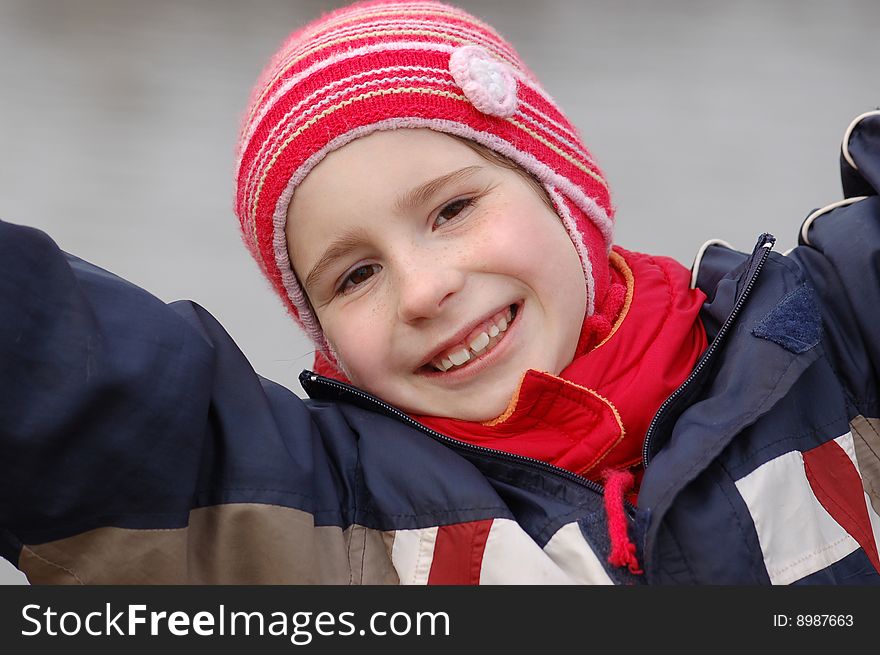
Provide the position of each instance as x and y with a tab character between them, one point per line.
460	357
480	342
475	347
444	365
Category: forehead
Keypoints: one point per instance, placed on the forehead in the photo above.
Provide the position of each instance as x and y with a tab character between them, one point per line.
395	157
366	176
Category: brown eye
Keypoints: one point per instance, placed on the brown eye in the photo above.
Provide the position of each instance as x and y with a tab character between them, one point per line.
452	210
358	276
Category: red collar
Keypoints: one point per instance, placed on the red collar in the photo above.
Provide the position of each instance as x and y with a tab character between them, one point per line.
593	416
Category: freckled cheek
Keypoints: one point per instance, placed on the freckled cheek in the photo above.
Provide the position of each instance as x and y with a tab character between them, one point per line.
493	247
564	279
542	255
361	337
517	248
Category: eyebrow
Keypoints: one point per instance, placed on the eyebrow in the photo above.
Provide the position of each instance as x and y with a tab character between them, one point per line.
412	199
338	248
421	194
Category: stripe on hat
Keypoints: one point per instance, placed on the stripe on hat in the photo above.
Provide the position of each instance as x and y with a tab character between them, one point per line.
310	103
438	76
277	140
468	30
397	91
575	155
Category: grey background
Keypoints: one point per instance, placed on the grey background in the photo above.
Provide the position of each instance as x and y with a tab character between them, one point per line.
711	119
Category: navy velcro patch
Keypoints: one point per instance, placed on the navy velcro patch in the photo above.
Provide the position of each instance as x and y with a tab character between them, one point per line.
794	323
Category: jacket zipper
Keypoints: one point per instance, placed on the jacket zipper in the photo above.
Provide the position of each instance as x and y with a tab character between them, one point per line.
314	378
765	242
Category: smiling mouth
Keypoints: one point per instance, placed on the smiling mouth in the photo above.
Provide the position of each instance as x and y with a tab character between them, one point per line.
478	343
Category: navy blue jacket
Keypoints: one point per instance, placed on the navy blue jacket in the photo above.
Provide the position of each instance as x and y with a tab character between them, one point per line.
137	445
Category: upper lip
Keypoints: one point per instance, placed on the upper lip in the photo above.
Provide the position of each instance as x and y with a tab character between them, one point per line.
459	336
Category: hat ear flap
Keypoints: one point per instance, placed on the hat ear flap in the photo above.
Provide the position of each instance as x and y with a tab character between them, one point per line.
597	251
591	246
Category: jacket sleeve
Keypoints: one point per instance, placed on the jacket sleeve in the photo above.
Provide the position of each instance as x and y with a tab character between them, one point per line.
137	445
839	250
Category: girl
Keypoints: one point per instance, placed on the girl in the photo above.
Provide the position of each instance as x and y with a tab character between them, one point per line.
499	395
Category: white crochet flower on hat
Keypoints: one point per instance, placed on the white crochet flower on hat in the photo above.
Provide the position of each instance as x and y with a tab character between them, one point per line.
488	83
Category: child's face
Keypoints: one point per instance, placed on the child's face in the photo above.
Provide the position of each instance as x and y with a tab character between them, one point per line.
414	251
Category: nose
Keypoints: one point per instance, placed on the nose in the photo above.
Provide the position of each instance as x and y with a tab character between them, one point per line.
425	282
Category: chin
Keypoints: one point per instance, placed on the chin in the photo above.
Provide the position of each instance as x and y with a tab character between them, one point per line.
486	410
474	405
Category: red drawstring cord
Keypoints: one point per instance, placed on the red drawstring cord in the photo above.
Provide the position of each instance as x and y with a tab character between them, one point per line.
623	551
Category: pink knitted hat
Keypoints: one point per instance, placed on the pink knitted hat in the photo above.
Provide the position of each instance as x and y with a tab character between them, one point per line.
385	65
